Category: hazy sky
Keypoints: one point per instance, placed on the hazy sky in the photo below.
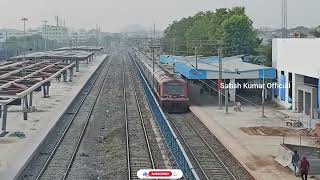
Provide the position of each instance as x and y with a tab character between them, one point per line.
114	15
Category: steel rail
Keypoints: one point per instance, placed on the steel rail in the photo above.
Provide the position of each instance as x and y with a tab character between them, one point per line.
206	144
126	119
142	121
187	145
44	167
75	150
211	149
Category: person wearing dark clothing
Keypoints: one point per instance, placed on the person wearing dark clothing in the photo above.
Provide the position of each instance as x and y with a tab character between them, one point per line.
304	168
295	161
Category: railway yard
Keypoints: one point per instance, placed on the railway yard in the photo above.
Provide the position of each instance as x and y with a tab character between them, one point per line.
107	123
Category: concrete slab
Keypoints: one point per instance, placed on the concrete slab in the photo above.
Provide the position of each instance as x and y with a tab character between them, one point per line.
15	151
253	140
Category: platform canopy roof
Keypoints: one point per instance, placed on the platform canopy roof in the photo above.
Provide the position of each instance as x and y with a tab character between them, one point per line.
22	78
80	48
65	55
208	67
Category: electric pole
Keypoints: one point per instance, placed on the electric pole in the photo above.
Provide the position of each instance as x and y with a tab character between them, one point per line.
263	93
284	18
6	46
220	76
226	100
24	24
196	55
153	45
45	35
25	39
97	29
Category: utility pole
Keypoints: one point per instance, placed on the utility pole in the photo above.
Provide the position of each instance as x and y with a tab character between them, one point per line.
153	45
6	46
24	24
196	55
284	18
45	35
220	76
25	39
97	29
263	93
226	100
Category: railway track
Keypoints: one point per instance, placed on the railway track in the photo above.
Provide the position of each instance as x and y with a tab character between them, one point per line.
54	158
209	157
139	153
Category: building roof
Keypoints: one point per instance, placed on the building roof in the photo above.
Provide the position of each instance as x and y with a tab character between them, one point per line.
21	78
63	54
80	48
208	67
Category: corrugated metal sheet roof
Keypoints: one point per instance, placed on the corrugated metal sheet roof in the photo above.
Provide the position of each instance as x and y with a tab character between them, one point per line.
210	65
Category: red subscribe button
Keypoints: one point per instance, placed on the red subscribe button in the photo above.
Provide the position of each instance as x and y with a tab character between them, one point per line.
160	173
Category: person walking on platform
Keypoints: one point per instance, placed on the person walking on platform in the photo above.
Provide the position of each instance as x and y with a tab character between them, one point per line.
295	161
304	168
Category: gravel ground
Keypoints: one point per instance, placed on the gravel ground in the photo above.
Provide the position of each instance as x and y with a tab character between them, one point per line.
36	163
157	144
201	152
102	153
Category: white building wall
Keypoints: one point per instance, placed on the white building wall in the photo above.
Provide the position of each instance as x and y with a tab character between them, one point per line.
57	33
298	56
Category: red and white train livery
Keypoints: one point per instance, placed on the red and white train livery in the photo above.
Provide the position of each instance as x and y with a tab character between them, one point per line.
171	90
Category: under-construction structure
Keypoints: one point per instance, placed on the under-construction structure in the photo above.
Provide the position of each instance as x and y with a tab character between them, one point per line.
21	76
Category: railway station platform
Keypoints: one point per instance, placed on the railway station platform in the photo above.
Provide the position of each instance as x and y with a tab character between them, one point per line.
25	136
255	141
234	70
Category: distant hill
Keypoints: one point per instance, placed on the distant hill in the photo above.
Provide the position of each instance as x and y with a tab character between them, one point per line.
134	28
268	34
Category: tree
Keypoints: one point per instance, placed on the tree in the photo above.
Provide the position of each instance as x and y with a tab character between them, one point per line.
316	32
239	37
232	27
265	50
16	45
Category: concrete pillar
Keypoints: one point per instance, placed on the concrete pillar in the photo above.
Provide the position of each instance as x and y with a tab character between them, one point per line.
25	108
77	66
30	99
87	60
4	117
44	91
287	89
232	91
297	80
48	91
64	75
71	74
209	89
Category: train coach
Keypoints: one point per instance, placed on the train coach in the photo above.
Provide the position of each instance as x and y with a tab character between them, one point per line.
171	90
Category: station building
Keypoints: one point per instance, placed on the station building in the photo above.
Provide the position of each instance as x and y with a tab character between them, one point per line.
234	71
297	62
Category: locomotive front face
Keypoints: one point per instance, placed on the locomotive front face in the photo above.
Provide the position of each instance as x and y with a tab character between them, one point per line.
174	89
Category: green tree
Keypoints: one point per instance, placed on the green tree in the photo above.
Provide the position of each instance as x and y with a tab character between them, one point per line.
265	50
316	32
232	27
239	37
